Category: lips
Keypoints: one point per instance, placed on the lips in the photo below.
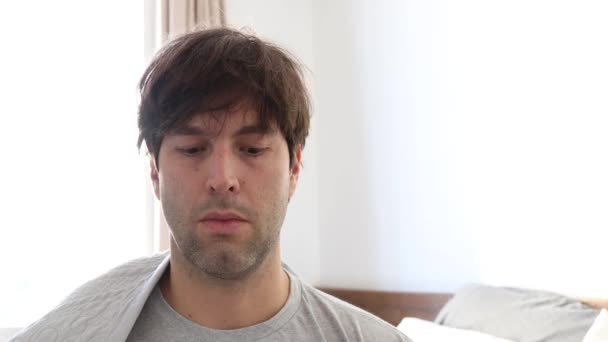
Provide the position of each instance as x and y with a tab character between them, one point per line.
222	216
224	223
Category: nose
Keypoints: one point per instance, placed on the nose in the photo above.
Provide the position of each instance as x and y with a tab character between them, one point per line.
222	177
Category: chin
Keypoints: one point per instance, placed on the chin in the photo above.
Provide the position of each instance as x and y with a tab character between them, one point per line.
225	264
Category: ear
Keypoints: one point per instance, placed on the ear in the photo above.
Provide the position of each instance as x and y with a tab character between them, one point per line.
295	170
154	176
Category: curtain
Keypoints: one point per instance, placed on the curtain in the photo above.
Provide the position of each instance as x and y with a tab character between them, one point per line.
179	17
182	16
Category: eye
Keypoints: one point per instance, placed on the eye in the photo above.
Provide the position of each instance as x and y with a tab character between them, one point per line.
192	151
252	151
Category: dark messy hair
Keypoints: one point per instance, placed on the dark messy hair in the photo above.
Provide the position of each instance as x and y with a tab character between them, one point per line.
216	69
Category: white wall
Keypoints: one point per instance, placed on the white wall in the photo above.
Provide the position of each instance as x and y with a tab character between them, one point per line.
463	141
384	222
289	25
452	142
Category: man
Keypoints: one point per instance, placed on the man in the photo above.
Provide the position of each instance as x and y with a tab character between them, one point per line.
224	117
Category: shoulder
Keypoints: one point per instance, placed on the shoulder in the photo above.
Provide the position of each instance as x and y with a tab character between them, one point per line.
94	305
357	323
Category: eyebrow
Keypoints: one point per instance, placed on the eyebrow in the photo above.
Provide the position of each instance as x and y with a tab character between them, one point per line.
245	130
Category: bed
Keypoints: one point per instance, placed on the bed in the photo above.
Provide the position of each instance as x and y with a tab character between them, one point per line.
479	312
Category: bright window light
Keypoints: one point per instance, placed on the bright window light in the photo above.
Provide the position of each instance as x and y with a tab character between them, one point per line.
73	192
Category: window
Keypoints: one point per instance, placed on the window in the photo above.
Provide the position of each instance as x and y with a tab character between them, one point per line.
74	199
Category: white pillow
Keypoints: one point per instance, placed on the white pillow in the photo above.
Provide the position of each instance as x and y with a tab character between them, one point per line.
599	330
420	330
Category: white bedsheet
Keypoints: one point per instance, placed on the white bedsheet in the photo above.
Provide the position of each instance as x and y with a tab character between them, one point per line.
420	330
599	330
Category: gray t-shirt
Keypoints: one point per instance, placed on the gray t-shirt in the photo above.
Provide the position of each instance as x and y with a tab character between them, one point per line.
308	315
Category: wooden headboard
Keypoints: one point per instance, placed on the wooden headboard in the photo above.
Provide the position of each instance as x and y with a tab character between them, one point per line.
394	306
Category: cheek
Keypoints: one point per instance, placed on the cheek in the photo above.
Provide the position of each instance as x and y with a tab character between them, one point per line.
176	203
275	186
178	175
173	188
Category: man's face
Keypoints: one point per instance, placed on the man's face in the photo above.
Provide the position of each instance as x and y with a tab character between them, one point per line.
224	186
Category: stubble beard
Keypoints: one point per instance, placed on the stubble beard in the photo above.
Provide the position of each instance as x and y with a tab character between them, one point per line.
220	257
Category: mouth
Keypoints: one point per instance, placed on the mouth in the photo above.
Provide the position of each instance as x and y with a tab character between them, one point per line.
222	216
224	223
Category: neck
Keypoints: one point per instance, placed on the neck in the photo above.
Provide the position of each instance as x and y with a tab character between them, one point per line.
225	304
